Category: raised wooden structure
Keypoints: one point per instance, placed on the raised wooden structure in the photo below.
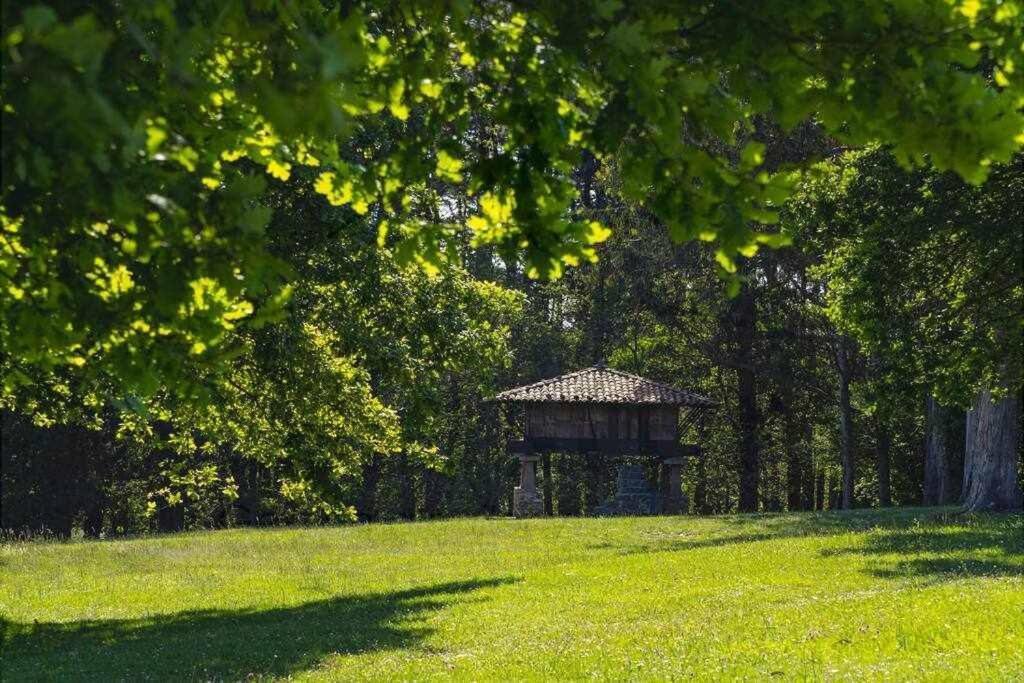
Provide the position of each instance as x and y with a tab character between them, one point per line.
601	410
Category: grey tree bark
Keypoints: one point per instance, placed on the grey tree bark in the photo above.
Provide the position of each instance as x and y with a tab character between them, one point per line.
991	454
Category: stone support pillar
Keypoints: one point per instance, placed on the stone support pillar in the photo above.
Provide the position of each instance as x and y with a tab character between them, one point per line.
526	500
675	500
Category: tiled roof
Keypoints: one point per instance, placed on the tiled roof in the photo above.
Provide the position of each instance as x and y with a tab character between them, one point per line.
603	385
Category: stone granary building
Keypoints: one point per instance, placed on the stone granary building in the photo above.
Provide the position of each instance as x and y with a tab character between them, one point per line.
601	410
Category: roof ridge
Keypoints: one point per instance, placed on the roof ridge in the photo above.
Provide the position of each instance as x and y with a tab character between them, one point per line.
663	385
550	380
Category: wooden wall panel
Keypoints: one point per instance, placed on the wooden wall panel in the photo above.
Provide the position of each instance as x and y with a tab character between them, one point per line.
602	421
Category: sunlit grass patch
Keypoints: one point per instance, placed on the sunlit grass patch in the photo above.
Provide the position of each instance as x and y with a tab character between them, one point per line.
894	595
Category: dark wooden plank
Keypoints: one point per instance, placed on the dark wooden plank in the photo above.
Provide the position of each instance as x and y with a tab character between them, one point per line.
611	446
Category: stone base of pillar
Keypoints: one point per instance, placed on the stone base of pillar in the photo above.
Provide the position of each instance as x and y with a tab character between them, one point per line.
676	505
527	503
634	495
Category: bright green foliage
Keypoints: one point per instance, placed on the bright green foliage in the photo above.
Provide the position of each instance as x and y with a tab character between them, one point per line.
411	333
908	595
356	368
922	268
359	364
294	404
140	138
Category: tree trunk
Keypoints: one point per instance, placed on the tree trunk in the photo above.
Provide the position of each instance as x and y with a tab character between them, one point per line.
745	319
434	485
794	466
834	495
599	321
991	454
367	505
843	362
819	490
170	518
807	474
807	487
941	455
93	523
406	488
883	445
700	490
794	501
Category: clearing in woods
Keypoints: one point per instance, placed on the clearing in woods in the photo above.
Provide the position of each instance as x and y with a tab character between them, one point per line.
898	595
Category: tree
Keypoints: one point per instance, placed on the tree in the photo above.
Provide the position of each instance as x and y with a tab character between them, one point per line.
412	351
845	358
943	457
139	139
924	271
373	369
993	447
744	317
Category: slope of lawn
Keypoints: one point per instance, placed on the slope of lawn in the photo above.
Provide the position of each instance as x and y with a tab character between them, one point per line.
897	595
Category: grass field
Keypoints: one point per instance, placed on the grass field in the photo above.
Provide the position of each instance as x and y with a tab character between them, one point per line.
898	595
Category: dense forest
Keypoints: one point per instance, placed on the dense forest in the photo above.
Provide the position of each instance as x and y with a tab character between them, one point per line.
819	408
849	293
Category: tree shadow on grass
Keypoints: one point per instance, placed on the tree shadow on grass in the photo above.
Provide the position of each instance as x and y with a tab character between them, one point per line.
668	544
226	644
943	553
754	528
939	543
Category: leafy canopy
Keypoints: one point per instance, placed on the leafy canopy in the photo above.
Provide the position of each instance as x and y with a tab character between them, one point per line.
921	268
140	139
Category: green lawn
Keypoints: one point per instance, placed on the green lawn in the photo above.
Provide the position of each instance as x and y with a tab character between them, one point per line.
908	595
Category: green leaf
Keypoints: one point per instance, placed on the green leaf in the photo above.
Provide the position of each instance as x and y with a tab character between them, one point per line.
725	261
396	103
752	155
430	89
448	167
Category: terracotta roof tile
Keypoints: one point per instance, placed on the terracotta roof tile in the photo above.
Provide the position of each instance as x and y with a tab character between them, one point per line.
603	385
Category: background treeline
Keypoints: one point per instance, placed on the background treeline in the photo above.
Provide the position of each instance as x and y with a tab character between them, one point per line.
265	265
844	365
